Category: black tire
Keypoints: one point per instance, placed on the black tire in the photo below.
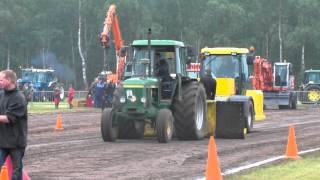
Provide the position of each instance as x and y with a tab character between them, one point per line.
250	118
190	113
109	131
164	125
128	130
313	95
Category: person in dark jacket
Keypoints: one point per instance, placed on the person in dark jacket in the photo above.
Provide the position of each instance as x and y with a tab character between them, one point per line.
209	84
162	69
13	122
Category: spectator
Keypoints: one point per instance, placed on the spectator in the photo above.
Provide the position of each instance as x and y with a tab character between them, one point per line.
89	99
99	92
108	96
13	123
56	94
92	90
70	96
61	92
27	92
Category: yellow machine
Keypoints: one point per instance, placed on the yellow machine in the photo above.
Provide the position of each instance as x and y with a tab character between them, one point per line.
237	106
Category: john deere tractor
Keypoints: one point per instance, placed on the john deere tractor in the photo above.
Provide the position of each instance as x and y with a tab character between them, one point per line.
176	105
311	84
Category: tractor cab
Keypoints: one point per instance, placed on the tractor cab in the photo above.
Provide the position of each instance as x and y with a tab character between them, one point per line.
311	77
229	66
40	79
160	64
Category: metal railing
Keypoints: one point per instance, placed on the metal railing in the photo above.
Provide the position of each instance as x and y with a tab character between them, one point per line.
43	96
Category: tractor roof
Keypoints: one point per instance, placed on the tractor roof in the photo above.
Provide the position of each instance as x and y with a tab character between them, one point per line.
158	43
312	70
224	50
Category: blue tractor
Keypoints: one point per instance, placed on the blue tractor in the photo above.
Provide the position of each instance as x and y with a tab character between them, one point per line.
41	80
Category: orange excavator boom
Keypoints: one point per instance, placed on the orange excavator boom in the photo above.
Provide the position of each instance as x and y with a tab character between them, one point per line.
111	23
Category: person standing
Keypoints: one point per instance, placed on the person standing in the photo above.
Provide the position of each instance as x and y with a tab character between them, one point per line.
99	92
27	92
70	95
209	84
62	92
108	95
56	94
13	122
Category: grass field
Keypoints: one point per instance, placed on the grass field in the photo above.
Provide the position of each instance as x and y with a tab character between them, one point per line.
46	107
305	168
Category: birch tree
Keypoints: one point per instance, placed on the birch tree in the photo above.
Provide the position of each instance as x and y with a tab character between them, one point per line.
83	60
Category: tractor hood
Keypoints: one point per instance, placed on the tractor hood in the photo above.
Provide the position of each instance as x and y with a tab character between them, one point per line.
141	82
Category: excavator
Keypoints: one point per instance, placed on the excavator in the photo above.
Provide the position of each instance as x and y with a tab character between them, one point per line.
277	84
111	23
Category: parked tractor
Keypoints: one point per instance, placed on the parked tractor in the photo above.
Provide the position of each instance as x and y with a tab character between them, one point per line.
41	80
177	103
311	84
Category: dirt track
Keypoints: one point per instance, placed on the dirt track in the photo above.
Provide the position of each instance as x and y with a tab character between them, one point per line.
78	151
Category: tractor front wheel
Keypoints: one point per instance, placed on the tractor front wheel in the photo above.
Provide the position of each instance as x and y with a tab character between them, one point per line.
250	118
109	130
164	125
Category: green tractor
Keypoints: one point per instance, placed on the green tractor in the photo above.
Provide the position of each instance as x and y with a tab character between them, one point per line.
176	105
311	84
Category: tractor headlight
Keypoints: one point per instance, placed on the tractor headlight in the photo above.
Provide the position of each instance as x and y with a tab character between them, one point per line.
143	100
122	99
133	99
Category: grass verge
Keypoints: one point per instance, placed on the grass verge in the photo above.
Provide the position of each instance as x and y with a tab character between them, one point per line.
48	107
305	168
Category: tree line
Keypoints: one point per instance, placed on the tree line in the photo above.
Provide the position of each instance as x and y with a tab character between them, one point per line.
45	33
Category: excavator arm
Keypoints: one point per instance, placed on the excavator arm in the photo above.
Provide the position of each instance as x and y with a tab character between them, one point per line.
111	23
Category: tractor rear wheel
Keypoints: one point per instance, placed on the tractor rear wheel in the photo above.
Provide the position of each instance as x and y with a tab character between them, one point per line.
190	112
109	131
164	125
313	95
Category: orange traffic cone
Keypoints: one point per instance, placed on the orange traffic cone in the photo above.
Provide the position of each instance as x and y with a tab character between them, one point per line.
292	148
4	173
59	123
213	168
